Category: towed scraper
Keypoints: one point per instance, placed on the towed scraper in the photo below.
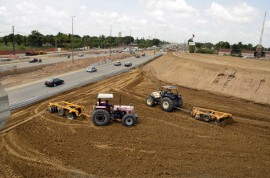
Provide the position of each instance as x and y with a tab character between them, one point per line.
168	98
208	115
63	108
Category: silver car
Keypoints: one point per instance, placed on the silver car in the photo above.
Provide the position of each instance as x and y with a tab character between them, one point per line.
91	69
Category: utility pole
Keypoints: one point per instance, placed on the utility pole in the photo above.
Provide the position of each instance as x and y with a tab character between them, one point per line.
55	44
111	41
72	39
13	41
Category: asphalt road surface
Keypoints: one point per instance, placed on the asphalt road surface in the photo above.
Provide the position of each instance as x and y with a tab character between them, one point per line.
27	91
47	61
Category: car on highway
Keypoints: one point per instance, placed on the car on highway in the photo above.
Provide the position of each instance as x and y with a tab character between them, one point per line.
80	55
52	82
128	64
91	69
137	56
35	60
5	59
117	63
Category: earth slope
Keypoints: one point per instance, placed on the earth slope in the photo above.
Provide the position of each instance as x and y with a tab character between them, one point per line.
243	78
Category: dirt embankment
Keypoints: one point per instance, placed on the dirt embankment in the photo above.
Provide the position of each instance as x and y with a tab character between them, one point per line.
244	78
35	143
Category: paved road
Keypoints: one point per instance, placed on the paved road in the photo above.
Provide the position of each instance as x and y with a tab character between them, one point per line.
35	89
48	61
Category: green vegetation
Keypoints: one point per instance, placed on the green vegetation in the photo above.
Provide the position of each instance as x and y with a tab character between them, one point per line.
210	48
38	40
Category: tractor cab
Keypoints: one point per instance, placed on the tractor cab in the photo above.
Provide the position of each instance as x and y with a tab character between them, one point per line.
171	90
103	101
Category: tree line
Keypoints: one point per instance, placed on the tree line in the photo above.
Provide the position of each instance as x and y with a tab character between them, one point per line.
62	40
211	48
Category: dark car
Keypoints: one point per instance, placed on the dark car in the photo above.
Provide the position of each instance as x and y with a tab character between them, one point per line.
35	60
128	64
117	63
52	82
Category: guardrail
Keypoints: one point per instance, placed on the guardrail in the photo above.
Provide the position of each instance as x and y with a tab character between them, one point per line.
77	85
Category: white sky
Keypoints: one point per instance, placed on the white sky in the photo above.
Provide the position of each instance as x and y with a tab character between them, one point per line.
170	20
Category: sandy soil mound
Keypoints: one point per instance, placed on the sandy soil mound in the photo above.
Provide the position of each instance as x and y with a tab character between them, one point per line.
244	78
38	144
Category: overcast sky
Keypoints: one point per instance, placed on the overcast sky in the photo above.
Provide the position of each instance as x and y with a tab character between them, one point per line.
169	20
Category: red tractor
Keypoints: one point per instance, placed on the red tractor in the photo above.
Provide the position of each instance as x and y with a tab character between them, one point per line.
104	112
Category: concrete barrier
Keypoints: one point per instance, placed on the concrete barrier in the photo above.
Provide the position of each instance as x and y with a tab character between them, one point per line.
4	107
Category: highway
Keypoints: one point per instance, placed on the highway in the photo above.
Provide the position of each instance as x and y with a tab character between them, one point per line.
30	91
47	61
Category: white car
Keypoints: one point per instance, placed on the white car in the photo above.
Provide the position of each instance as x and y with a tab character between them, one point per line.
117	63
91	69
80	55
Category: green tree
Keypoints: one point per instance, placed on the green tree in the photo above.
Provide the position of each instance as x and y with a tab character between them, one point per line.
35	38
19	39
156	42
223	44
128	39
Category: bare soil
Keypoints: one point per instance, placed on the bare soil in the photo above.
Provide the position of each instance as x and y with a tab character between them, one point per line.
35	143
243	78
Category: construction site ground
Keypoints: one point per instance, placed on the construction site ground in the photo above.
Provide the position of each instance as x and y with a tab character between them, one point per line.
35	143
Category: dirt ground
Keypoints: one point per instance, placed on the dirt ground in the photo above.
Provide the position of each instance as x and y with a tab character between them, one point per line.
35	143
243	78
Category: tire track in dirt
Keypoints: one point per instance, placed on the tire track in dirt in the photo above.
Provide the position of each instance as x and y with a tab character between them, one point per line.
37	111
162	144
35	158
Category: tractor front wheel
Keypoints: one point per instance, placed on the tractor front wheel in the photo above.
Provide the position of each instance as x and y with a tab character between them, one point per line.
150	101
129	120
100	117
167	104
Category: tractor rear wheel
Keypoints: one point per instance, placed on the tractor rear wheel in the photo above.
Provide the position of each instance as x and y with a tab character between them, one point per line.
179	103
150	101
167	104
100	117
129	120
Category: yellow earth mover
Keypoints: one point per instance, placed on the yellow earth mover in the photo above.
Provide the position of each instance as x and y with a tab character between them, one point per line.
207	115
65	108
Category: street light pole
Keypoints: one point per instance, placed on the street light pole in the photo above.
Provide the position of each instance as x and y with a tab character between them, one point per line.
72	39
111	41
